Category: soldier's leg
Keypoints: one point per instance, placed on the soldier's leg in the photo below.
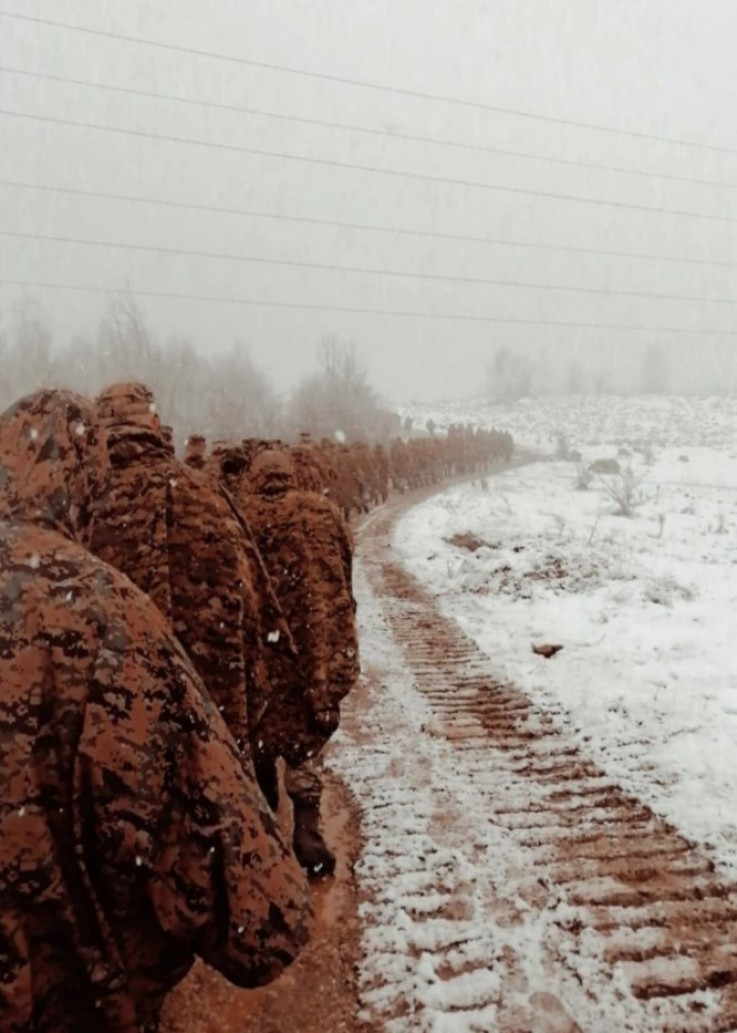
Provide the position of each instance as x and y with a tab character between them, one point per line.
304	787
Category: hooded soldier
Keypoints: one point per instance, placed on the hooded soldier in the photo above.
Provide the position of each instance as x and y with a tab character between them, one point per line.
308	548
167	436
132	838
181	543
194	451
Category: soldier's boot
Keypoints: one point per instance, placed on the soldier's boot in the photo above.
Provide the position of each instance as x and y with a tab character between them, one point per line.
310	848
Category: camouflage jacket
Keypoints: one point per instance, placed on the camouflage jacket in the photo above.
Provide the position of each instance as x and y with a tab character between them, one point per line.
131	835
309	553
180	541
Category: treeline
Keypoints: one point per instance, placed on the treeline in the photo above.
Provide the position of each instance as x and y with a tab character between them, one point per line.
627	368
219	395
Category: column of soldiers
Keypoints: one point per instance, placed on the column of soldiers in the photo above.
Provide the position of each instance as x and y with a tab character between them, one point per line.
172	633
357	477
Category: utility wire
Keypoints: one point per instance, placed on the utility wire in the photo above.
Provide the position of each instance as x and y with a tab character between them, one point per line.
365	84
367	130
376	170
403	313
362	270
361	227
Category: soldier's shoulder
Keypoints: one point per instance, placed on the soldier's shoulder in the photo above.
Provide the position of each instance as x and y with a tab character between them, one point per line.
69	584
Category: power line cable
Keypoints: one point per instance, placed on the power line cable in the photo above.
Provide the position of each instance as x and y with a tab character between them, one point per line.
368	130
402	313
375	170
361	227
362	270
365	84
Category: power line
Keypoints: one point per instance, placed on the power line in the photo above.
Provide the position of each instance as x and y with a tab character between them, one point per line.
361	227
375	170
367	130
401	313
365	84
328	267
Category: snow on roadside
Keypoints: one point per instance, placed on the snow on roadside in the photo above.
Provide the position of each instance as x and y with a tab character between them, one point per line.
451	944
644	607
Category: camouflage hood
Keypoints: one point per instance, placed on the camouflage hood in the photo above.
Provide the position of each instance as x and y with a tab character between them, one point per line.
195	451
53	462
272	473
127	411
229	461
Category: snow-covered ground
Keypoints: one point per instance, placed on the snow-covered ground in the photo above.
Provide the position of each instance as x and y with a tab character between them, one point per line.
459	934
644	606
589	420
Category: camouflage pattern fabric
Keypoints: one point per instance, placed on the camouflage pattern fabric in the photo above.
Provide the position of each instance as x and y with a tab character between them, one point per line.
309	552
131	835
167	436
195	451
304	783
181	543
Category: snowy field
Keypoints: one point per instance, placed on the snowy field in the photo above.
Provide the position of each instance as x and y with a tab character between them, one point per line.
644	606
593	421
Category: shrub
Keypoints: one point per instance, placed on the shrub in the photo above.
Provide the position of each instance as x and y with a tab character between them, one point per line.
625	490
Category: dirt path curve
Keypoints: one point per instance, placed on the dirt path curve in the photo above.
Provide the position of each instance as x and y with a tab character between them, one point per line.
506	884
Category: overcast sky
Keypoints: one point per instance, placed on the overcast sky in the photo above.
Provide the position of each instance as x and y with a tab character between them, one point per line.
663	68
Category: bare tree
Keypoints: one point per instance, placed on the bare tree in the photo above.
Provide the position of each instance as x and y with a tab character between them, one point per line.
509	376
27	351
338	399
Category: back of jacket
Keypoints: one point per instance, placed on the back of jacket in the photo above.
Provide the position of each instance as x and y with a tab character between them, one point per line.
131	835
308	549
178	540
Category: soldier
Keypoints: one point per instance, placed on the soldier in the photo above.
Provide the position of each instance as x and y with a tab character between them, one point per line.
381	465
178	539
310	475
167	436
309	551
194	451
132	838
399	461
226	465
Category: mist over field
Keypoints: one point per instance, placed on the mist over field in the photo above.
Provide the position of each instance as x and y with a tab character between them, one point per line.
502	199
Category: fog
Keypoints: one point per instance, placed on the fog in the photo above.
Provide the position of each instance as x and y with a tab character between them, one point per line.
531	81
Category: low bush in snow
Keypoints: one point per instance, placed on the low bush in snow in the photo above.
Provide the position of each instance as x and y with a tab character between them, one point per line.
625	491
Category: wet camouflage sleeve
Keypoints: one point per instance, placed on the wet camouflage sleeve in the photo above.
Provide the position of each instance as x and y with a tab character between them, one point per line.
131	835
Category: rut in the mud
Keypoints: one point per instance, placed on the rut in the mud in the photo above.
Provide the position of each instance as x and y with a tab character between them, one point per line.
638	898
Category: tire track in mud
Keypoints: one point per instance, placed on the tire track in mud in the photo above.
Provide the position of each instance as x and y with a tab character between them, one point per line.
524	891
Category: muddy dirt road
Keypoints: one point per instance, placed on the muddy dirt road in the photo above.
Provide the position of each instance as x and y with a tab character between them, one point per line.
504	883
